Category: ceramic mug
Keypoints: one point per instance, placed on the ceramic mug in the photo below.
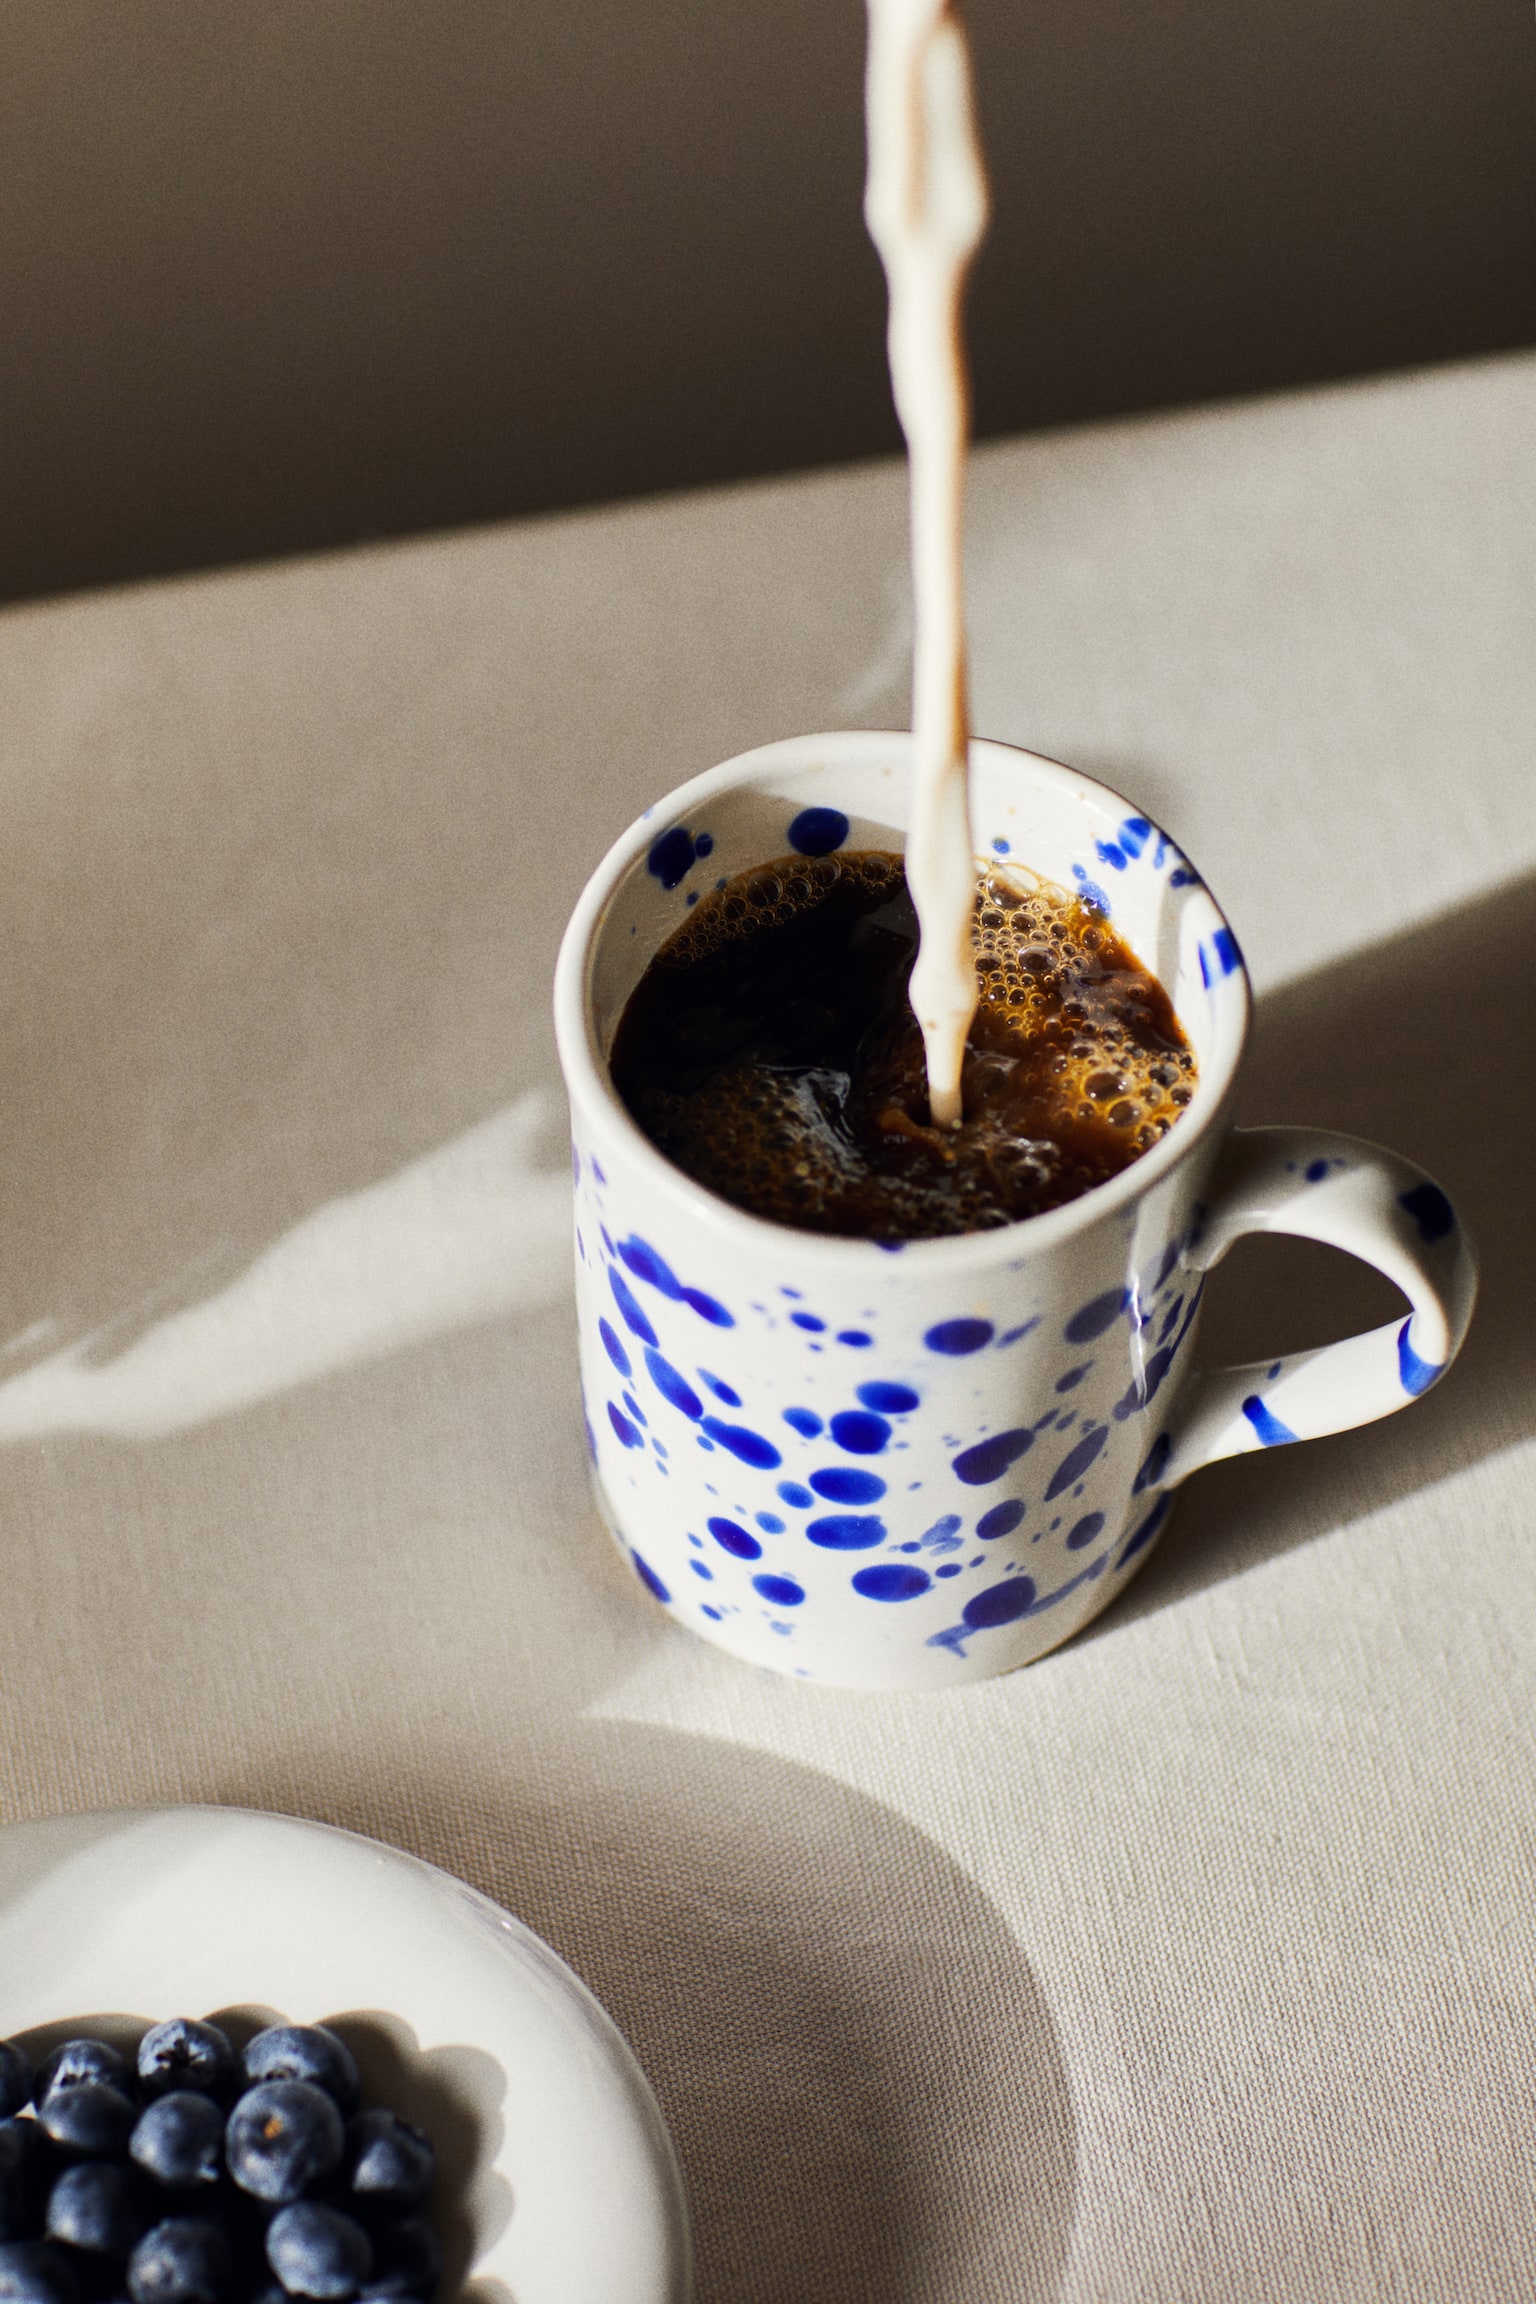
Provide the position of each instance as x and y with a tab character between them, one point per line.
907	1468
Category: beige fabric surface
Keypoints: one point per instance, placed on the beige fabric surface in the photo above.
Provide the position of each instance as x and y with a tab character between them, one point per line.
1194	1962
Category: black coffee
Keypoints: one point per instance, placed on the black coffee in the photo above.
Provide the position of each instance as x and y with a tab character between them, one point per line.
771	1052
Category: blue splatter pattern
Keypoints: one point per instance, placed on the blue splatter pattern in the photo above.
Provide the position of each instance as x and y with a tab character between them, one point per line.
881	1478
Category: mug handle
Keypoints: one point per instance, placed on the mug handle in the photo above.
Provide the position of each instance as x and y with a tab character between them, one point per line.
1374	1205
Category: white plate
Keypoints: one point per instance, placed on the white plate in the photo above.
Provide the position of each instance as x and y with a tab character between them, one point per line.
550	2139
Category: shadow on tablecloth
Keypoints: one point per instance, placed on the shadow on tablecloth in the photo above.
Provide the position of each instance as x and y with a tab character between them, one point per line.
857	2064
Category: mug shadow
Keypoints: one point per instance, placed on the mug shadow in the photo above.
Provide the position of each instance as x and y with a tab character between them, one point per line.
1426	1043
856	2064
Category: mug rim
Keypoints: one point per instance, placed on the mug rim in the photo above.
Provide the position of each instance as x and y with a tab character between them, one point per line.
588	1078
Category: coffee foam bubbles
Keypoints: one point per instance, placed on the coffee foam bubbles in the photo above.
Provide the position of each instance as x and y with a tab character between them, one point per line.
1037	953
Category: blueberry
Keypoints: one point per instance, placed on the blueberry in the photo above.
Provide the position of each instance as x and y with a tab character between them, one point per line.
31	2272
179	2140
389	2163
96	2205
87	2117
181	2054
185	2260
15	2078
407	2259
78	2063
283	2136
305	2052
318	2251
23	2179
242	2220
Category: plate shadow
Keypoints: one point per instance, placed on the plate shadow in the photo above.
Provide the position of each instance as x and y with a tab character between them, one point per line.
859	2070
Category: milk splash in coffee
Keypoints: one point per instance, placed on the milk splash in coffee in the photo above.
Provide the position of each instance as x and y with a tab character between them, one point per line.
925	204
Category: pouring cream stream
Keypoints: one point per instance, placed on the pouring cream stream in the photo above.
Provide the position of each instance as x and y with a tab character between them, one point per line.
925	203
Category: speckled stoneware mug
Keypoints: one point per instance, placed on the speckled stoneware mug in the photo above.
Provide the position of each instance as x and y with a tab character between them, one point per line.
906	1468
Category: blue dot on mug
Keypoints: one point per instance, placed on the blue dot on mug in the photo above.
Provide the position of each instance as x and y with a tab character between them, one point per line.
1076	1462
1430	1210
1416	1375
859	1431
1084	1532
734	1539
846	1484
1271	1431
805	1421
1000	1521
817	831
649	1265
708	1308
797	1498
624	1431
614	1349
887	1399
957	1337
629	1309
891	1580
846	1531
673	1385
783	1591
750	1447
1155	1465
1001	1603
649	1578
671	856
989	1459
1099	1313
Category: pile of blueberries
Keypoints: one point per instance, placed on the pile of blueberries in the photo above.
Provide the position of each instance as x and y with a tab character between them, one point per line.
207	2176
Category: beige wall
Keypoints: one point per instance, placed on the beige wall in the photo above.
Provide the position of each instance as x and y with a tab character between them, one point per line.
300	271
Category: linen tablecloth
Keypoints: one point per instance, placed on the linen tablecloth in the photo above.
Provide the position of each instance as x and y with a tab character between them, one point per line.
1195	1962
